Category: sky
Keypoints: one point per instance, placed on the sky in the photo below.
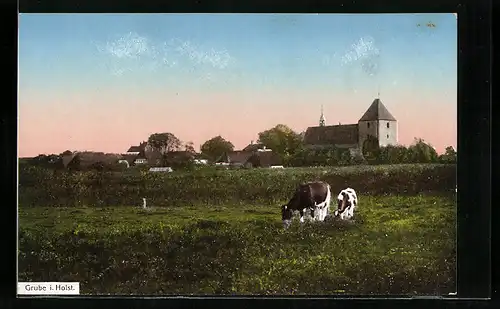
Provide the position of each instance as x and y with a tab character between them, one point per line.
104	82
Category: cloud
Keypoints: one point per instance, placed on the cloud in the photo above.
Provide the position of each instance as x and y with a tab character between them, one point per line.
361	49
216	58
141	52
366	53
131	46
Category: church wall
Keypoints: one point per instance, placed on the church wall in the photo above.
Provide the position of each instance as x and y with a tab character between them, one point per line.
388	136
364	130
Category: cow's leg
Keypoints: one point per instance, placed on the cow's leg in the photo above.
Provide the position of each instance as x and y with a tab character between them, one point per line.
351	211
312	214
324	212
301	215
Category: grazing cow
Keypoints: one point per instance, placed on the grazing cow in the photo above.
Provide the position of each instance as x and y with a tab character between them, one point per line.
313	196
347	202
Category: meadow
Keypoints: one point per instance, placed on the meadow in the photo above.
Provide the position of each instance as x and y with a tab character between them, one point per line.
232	241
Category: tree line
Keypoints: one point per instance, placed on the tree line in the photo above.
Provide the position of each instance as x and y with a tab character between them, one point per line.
289	145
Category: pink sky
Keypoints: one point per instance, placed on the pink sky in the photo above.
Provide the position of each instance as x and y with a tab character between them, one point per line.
108	121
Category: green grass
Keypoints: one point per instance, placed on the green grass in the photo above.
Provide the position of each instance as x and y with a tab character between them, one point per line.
45	188
397	245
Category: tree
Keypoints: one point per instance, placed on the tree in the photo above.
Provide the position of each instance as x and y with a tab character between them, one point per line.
422	152
216	147
449	156
371	149
66	153
47	161
164	142
394	154
283	140
189	147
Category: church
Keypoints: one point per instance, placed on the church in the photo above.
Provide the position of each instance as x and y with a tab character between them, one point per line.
377	122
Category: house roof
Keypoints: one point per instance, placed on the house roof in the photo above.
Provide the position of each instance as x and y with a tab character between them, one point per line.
266	159
345	134
377	111
238	156
140	148
134	149
253	147
67	158
88	158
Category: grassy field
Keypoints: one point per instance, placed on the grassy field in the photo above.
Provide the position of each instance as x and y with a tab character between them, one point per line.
397	245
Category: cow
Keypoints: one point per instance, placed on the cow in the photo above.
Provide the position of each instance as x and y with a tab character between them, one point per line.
347	202
313	196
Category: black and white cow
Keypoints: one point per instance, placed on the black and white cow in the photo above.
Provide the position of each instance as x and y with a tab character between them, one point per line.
347	202
313	196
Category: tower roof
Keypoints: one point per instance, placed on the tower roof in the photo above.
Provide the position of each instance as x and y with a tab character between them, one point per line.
377	111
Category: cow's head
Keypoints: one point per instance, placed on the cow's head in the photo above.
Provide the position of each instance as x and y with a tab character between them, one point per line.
341	203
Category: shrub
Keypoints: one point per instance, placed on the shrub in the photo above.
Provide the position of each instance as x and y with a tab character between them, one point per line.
48	188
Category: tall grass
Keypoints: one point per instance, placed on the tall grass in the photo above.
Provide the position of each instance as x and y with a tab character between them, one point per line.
38	187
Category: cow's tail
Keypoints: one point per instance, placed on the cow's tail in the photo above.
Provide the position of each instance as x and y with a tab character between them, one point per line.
328	197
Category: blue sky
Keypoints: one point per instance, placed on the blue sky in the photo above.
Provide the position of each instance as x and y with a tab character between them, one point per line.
247	61
295	49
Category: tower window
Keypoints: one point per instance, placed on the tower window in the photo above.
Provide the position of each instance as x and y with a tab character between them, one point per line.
387	135
387	125
368	124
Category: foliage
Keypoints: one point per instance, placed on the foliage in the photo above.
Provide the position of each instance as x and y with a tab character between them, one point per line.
43	187
449	157
47	161
216	147
421	152
282	140
371	149
178	160
164	142
397	245
189	147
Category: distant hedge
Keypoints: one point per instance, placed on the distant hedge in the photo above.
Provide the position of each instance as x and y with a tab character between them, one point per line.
43	187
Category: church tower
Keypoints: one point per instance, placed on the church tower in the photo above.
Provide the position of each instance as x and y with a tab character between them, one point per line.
322	118
378	122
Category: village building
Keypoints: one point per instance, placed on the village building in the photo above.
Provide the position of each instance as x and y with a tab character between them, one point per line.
135	155
253	155
376	122
88	160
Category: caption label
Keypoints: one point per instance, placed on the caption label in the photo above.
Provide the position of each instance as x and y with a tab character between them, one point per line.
48	288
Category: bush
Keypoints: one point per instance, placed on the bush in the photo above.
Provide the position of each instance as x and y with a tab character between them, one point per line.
42	187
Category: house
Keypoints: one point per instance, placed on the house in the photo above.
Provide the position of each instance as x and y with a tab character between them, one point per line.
135	155
88	159
235	158
264	159
253	146
257	158
201	161
376	122
161	169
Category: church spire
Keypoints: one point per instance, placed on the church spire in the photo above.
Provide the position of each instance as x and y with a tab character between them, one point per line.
322	118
